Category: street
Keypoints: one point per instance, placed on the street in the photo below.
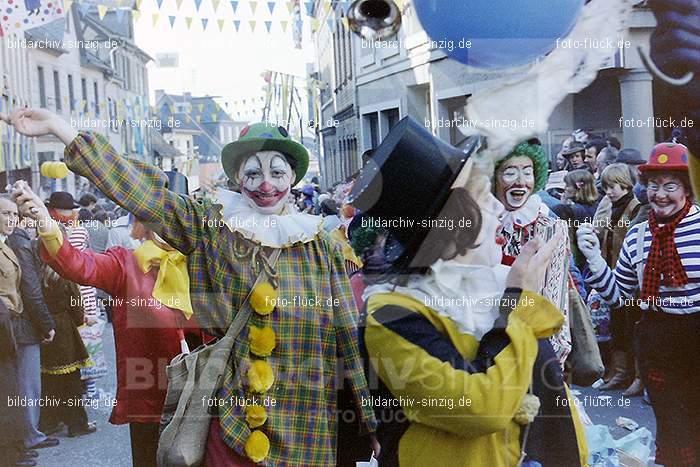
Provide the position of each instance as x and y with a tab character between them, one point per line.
110	446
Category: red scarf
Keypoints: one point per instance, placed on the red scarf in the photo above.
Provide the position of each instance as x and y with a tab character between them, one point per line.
664	260
70	221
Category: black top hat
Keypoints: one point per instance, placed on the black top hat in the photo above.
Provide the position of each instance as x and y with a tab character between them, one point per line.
408	179
61	200
177	182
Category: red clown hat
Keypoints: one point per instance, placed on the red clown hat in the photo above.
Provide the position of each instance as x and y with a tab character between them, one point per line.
667	156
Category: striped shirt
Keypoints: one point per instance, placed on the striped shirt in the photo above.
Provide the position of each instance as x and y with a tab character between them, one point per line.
79	238
623	284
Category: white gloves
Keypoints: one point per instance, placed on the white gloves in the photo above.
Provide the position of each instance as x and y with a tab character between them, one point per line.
589	245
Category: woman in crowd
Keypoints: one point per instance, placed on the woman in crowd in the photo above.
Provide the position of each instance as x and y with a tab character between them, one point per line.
578	205
657	261
612	220
63	358
148	323
474	359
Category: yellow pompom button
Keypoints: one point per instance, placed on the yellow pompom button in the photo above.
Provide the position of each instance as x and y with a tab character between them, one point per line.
263	298
663	158
255	415
260	376
262	341
258	446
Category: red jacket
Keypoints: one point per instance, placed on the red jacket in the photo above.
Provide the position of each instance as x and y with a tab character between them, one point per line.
145	331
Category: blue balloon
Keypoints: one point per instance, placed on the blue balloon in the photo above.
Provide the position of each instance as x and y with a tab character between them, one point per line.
497	33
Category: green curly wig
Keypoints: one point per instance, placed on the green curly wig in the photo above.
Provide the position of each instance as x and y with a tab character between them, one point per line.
539	162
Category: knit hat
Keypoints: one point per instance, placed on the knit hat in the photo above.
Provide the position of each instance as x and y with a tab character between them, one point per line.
264	137
667	156
539	162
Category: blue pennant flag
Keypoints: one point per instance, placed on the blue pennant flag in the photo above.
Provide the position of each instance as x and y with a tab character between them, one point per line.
236	24
160	3
84	8
271	6
204	23
172	20
120	14
234	5
309	8
331	24
268	25
197	4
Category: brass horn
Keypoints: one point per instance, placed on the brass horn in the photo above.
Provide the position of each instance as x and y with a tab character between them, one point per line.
374	19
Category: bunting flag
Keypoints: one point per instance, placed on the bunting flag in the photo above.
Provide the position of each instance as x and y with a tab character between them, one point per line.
136	14
172	21
204	23
101	11
215	4
346	23
67	4
253	6
315	24
156	17
268	25
178	4
284	25
252	25
234	6
201	107
138	4
197	4
160	3
331	24
271	6
290	7
236	24
309	8
84	8
221	23
188	22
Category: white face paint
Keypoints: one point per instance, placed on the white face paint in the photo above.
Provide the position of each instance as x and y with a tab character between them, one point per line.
515	181
266	179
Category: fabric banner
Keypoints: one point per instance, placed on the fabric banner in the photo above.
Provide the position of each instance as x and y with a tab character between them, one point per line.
20	15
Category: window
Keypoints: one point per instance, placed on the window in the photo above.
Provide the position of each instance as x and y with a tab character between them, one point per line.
373	121
97	98
392	117
57	92
42	87
83	86
71	93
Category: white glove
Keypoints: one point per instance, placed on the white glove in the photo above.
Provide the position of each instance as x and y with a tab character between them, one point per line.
589	245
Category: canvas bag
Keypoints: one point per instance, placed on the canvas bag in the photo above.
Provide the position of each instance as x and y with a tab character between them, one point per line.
585	363
192	379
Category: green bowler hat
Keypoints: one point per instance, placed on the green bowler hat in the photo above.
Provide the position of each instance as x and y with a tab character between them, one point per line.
264	137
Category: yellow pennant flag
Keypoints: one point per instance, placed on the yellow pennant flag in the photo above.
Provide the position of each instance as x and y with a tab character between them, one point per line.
188	21
327	7
284	25
290	7
138	4
215	4
178	4
136	14
67	4
156	17
314	24
101	11
199	118
253	6
221	24
252	25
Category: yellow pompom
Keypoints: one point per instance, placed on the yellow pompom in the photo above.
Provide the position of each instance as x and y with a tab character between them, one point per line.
263	298
262	341
528	410
255	415
260	376
258	446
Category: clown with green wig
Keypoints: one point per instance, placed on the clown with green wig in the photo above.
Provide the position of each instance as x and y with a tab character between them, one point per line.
518	178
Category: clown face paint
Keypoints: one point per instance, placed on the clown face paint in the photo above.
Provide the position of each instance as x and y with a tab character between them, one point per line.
515	181
666	195
266	179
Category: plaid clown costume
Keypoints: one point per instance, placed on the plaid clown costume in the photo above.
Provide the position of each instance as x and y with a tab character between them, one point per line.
315	322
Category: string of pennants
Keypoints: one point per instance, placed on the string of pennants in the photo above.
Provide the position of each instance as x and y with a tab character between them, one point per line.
226	13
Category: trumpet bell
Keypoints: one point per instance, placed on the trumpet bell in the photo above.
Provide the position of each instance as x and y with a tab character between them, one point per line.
374	19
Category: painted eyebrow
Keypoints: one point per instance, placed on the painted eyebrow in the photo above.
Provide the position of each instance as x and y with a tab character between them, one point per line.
278	162
252	160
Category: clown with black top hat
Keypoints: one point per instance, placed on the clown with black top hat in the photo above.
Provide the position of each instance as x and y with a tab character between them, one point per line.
303	308
467	332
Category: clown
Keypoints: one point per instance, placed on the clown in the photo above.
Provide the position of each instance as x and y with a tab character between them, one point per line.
518	176
304	316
